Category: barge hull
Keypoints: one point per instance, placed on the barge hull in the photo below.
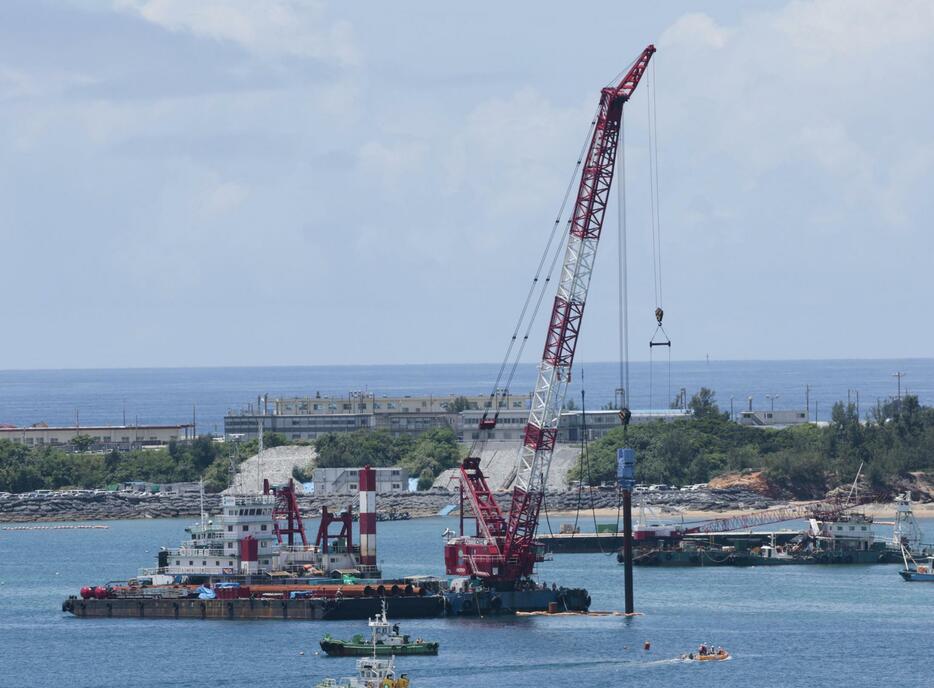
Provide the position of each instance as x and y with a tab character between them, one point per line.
428	606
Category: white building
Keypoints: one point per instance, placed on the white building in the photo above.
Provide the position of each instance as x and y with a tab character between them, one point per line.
772	419
331	481
103	437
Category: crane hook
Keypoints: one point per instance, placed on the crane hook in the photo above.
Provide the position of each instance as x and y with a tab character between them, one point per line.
659	314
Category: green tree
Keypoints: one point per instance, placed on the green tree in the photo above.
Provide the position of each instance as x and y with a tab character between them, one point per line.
274	439
704	404
458	404
82	443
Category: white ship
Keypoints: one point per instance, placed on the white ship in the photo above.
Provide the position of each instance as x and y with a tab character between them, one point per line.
264	535
371	673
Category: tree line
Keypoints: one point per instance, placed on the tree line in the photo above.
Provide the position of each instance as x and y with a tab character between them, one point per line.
803	460
23	468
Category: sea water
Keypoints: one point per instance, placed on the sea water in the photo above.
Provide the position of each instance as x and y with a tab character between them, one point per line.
786	626
174	395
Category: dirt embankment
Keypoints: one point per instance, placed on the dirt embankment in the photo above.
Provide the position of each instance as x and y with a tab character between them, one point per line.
918	484
754	481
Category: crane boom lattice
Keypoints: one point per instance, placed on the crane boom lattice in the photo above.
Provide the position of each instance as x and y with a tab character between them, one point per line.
505	551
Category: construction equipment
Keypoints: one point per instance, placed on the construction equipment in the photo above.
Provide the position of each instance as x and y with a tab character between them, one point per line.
287	517
828	510
504	549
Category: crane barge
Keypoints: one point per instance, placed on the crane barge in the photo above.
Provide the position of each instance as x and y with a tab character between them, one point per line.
497	563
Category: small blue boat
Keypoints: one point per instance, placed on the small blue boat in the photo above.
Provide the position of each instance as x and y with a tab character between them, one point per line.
915	570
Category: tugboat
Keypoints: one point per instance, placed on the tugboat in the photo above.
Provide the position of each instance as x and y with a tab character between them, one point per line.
386	640
371	673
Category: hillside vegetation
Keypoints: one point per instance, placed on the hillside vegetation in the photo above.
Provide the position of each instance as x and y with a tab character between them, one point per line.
801	461
424	456
23	469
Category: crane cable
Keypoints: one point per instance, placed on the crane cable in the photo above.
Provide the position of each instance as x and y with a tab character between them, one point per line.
659	337
536	282
525	315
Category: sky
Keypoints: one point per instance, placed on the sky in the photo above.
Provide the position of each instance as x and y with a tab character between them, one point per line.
292	182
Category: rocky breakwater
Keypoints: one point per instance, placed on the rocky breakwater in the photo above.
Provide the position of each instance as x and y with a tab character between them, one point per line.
714	500
101	505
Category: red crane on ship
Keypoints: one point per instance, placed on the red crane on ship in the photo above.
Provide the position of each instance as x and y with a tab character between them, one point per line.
504	549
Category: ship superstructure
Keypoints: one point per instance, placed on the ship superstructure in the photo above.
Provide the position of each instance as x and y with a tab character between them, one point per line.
263	534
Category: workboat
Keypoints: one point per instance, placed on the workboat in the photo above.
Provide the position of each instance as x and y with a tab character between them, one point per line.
386	640
705	654
371	673
917	571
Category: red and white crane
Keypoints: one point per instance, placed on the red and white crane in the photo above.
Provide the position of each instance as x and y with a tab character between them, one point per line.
505	549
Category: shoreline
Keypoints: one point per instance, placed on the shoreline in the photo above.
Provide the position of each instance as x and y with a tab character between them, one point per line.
878	510
716	504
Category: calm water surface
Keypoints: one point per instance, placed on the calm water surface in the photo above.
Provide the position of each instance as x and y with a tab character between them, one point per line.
787	626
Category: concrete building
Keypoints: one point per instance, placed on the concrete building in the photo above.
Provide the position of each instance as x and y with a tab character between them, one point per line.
338	481
573	426
305	418
772	419
103	437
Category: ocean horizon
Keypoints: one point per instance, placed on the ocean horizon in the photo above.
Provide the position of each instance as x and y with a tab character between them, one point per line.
177	394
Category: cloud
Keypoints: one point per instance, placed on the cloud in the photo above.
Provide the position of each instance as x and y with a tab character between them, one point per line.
697	29
275	27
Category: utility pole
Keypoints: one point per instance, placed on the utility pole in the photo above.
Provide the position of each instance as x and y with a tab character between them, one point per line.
626	475
807	401
731	408
899	374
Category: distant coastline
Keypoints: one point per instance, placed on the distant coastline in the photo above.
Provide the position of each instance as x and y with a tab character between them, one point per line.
180	395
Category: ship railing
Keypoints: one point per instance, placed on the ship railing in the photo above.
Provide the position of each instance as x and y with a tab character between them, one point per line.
247	500
314	549
195	552
183	570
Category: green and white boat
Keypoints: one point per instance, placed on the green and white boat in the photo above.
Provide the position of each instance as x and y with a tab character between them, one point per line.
386	641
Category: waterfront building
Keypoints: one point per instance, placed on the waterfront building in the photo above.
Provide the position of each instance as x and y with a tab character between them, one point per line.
574	425
305	418
336	481
103	437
